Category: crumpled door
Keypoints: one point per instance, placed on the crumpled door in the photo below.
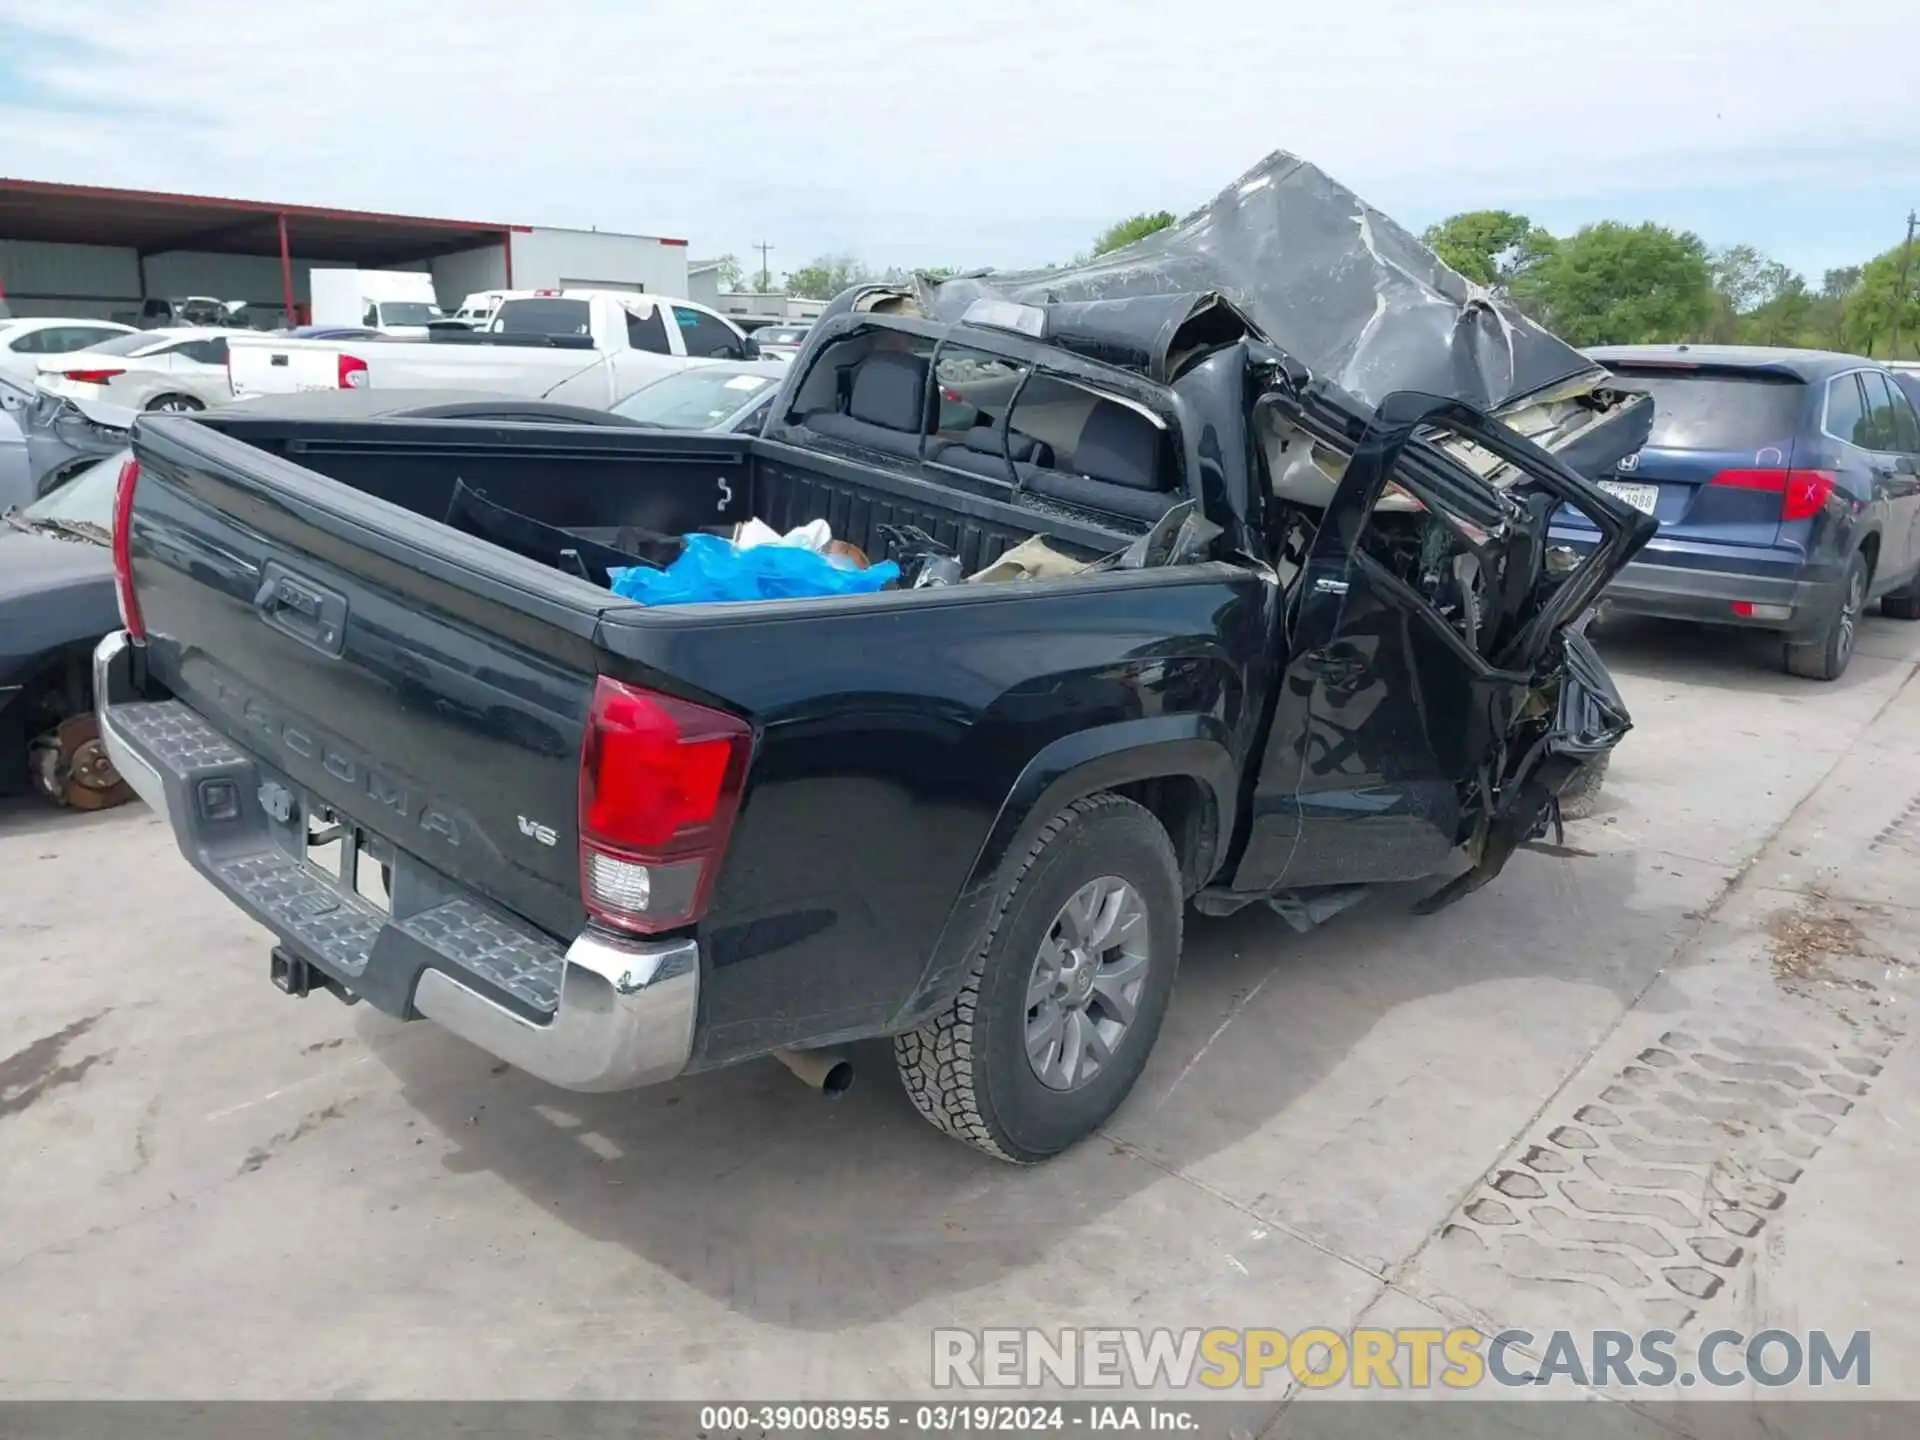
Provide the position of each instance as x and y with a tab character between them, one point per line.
1425	670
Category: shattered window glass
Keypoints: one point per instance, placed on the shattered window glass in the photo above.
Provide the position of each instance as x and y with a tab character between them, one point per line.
975	389
1066	421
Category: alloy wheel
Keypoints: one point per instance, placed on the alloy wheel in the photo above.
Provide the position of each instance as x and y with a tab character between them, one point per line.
1084	990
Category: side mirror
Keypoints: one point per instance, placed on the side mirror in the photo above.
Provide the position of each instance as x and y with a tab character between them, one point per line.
749	348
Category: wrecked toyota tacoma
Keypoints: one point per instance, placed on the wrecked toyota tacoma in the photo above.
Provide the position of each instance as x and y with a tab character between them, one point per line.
1225	581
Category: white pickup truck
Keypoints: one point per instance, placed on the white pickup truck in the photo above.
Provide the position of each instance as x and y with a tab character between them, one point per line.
586	347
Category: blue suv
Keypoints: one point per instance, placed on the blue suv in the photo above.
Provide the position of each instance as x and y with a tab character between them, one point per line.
1787	487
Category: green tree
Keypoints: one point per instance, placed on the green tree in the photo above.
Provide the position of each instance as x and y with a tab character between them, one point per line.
1134	227
1489	247
1739	277
827	276
730	274
1785	316
1827	311
1878	310
1611	283
1758	301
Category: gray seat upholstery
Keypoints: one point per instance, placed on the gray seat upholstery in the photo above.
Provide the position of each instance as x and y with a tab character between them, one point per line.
1148	505
887	410
1121	466
979	453
1122	447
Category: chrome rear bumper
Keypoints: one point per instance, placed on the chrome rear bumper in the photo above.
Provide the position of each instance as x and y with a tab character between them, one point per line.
605	1013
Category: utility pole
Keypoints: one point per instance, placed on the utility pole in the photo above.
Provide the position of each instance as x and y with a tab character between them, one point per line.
766	280
1900	295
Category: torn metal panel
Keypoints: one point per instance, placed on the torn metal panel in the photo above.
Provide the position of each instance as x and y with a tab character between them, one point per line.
1346	291
1155	334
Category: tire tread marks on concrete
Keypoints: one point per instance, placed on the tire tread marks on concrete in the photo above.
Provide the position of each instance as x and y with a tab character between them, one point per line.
1655	1190
1902	832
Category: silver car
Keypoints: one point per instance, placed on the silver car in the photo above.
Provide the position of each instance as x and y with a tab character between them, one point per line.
64	435
729	395
16	475
781	342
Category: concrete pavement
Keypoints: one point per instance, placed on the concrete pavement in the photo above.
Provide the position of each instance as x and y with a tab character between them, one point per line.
210	1191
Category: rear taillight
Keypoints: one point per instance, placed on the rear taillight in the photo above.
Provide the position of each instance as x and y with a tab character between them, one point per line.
1802	492
91	377
353	373
660	783
123	549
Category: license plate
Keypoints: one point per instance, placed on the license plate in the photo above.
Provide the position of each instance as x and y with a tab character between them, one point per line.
1640	497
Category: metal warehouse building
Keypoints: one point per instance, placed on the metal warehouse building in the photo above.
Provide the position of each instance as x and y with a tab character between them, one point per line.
85	251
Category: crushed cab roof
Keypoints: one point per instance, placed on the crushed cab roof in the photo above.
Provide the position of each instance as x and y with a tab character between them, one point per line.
1352	295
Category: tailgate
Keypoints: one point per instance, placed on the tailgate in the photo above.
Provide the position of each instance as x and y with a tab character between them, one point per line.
1716	431
264	365
532	370
420	684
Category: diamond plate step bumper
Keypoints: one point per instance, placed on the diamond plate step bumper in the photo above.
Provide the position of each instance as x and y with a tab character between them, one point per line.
604	1013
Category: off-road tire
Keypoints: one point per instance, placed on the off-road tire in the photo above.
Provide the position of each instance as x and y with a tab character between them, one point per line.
966	1069
1581	794
1826	657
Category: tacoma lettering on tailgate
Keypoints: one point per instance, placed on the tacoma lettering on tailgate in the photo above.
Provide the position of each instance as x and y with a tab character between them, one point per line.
334	758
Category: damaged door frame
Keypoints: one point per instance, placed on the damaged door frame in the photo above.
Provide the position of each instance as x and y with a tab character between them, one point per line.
1398	445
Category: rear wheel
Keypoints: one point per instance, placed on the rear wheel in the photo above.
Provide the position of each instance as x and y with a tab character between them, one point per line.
176	405
1065	999
1826	657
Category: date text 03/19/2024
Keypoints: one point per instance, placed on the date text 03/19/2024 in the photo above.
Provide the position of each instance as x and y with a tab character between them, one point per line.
724	1422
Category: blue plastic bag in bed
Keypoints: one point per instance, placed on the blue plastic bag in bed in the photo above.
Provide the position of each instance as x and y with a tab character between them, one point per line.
711	570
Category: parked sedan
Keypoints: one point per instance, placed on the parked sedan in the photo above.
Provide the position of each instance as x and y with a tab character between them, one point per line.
781	342
1787	487
23	343
56	601
169	370
728	395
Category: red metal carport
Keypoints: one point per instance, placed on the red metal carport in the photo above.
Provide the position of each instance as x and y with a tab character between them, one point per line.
153	223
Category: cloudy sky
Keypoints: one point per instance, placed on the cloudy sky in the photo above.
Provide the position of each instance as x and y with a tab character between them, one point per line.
1002	132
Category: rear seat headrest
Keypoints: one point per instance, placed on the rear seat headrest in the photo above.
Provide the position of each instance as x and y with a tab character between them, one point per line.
1120	446
889	390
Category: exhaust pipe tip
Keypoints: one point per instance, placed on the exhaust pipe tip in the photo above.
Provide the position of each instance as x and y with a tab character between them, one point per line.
825	1071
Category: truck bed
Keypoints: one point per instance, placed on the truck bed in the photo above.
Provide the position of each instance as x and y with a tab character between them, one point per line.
671	484
314	627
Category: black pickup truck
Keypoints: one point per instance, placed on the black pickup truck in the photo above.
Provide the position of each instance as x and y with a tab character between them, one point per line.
459	778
